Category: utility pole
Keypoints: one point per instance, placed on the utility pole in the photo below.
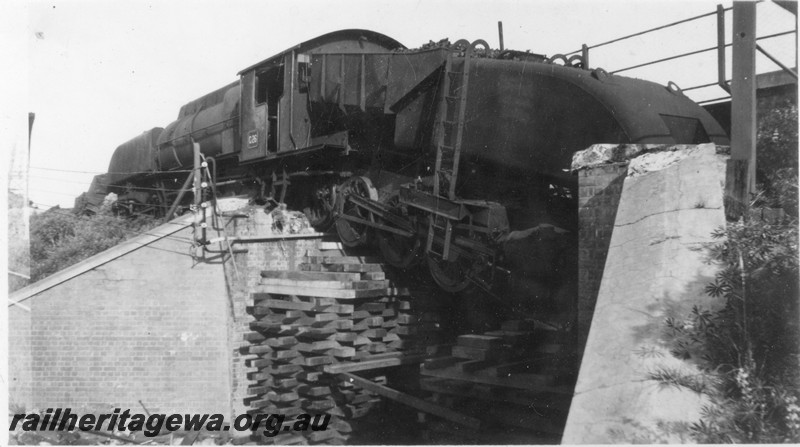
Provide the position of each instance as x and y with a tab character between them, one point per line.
19	264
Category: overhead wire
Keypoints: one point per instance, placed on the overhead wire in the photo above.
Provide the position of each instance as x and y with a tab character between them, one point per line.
113	172
82	182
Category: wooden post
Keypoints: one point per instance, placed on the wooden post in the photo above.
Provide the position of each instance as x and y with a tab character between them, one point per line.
585	56
500	33
743	91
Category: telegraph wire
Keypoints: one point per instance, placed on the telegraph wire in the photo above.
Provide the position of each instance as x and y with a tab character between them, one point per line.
97	172
80	182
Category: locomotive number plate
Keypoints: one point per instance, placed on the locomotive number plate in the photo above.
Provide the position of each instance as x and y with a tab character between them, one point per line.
252	139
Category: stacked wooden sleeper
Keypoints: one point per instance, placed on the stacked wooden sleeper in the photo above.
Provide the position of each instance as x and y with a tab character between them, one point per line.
334	311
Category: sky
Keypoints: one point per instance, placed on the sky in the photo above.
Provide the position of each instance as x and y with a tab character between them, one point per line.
97	73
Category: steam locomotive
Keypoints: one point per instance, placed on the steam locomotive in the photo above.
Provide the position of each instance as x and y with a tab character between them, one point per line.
444	153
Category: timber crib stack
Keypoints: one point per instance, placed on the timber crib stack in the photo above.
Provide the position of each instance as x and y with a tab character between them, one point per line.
335	314
517	380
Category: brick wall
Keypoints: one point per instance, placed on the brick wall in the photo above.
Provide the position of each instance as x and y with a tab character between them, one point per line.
19	358
271	255
599	190
149	326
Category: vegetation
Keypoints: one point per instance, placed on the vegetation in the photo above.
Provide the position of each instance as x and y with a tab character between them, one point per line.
60	238
748	347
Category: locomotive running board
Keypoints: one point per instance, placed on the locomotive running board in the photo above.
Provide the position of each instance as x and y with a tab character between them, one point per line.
382	211
433	204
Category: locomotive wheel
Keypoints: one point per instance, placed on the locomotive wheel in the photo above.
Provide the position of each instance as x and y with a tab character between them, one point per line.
452	275
398	251
320	206
353	234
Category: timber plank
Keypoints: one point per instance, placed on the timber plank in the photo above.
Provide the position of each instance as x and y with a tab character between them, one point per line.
358	285
285	383
330	245
372	364
466	352
305	284
479	341
331	293
259	349
284	305
473	365
281	342
317	346
351	268
318	360
311	276
531	382
284	354
373	276
313	391
343	259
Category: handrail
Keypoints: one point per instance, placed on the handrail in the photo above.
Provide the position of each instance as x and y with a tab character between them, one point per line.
777	62
649	30
719	47
691	53
696	87
707	101
658	61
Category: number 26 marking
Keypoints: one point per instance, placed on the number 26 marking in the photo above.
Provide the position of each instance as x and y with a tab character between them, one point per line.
252	138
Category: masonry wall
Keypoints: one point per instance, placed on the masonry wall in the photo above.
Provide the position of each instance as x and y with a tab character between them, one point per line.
20	358
656	268
599	190
243	274
149	326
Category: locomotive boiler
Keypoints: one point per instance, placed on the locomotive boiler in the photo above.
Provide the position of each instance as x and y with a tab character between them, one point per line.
441	153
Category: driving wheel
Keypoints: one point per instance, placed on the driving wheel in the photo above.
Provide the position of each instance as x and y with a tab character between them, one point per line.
451	275
353	234
398	250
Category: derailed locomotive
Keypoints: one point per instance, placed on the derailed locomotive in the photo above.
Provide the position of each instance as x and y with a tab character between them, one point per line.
443	153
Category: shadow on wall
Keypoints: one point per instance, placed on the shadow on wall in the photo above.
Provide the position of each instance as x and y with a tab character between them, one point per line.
656	337
596	220
667	364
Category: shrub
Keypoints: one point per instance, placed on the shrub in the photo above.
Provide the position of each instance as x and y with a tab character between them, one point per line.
748	348
777	143
60	238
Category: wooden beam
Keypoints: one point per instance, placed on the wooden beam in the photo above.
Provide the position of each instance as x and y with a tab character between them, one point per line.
273	237
330	293
412	401
372	364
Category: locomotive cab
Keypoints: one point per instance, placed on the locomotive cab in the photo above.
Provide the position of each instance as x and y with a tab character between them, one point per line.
262	91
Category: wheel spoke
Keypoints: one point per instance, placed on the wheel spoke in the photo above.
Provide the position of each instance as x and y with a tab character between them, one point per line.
398	251
351	233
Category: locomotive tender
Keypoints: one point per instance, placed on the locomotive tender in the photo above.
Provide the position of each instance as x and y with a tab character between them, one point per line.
440	152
